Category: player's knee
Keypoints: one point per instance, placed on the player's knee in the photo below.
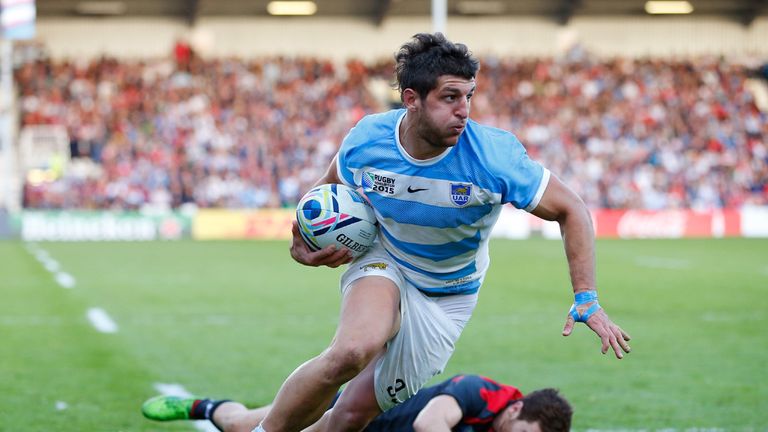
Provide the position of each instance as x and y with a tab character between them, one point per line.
346	361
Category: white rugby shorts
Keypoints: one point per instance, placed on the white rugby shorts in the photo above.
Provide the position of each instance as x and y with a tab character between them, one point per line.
429	329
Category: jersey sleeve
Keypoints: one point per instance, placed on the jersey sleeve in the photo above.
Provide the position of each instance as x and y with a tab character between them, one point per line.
480	398
526	183
348	146
466	389
522	180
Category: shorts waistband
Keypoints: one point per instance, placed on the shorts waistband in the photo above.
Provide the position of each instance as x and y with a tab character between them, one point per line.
446	294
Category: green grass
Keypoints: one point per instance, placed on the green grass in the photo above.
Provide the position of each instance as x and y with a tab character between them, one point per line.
233	319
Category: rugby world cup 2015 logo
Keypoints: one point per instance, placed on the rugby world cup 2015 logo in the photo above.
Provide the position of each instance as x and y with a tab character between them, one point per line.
378	183
461	193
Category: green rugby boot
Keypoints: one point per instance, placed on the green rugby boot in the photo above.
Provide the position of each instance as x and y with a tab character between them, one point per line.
167	408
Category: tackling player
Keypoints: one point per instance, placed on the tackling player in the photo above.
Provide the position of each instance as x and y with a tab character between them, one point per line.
463	403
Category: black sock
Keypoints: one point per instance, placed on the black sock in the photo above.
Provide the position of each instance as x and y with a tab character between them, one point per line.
203	409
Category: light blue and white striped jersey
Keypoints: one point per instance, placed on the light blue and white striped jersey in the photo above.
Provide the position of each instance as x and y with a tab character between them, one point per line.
436	215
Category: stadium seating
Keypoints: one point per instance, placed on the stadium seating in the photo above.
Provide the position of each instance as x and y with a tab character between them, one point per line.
642	134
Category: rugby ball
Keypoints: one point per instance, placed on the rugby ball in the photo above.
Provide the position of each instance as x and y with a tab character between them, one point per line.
336	214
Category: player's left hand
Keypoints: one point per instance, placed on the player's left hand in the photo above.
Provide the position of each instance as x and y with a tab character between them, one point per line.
611	335
330	255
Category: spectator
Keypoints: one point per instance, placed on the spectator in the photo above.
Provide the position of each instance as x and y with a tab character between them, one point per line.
248	134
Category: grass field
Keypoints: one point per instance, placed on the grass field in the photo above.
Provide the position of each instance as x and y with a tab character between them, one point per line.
232	319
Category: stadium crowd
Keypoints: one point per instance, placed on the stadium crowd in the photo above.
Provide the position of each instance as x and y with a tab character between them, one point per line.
625	133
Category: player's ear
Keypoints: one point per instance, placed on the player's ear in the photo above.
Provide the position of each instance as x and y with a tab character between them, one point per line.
411	99
513	411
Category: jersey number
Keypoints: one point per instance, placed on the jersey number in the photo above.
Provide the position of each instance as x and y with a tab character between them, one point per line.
392	390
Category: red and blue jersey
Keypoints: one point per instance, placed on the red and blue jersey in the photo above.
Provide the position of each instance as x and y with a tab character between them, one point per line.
479	398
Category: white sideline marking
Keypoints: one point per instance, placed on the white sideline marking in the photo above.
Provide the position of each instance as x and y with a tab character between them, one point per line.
180	391
663	263
172	390
65	280
42	255
99	319
51	265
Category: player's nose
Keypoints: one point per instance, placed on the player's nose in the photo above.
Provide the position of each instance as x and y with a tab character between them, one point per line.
462	109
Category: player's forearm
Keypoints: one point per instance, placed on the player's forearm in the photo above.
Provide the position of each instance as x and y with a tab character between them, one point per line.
440	414
559	203
579	240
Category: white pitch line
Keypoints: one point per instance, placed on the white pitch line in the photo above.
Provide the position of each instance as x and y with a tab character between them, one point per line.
101	320
32	248
51	265
42	255
65	280
180	391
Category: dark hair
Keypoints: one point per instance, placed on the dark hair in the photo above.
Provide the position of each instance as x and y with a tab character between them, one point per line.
420	62
548	408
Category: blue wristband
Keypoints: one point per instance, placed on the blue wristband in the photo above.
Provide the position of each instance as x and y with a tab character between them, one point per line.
585	297
581	298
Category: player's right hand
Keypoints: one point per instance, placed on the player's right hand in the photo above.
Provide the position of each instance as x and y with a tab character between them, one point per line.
328	256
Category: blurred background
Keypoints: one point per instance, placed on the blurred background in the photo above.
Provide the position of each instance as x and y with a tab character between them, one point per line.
179	106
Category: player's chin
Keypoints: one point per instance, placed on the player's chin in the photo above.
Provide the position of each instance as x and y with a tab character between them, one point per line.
451	140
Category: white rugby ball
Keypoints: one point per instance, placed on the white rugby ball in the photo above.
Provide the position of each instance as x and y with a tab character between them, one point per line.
336	214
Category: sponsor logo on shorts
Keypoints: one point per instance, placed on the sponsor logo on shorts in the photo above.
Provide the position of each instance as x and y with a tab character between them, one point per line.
374	266
459	281
461	193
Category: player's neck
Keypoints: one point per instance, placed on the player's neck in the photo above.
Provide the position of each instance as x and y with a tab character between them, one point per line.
414	144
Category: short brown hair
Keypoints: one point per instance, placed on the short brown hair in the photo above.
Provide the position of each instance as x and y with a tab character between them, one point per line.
549	409
420	62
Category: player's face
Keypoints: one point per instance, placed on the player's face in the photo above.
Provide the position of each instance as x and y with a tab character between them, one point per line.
507	421
445	110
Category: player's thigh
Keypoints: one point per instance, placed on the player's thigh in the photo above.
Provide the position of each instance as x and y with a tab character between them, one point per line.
370	312
371	294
